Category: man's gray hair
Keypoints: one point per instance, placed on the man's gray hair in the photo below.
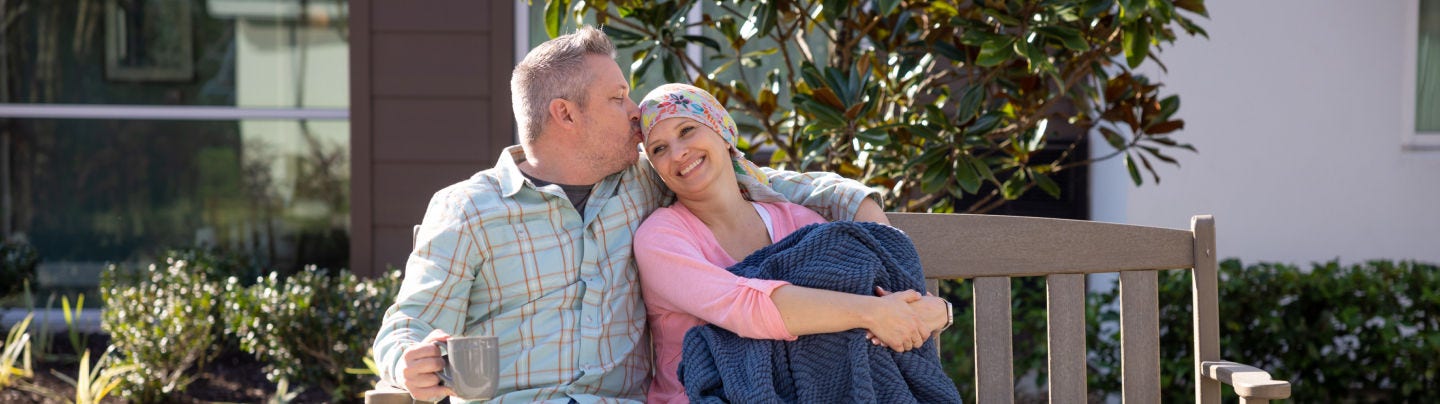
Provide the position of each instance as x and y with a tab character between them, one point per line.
555	69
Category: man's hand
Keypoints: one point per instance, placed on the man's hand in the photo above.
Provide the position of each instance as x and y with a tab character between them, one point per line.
418	365
870	211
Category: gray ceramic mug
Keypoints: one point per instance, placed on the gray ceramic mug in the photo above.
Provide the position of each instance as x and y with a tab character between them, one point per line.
472	366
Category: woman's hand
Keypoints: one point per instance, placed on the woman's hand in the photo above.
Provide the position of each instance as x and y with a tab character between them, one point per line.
932	311
895	323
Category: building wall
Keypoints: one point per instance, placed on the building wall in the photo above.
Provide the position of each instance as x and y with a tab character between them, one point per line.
430	106
1296	109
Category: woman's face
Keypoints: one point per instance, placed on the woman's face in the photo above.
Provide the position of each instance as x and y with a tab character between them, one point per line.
689	156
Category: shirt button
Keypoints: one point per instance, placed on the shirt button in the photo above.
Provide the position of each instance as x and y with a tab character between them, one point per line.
589	319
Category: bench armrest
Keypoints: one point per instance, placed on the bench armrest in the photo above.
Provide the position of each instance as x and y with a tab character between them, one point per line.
1248	381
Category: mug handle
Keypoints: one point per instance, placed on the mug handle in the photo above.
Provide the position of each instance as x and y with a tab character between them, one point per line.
445	379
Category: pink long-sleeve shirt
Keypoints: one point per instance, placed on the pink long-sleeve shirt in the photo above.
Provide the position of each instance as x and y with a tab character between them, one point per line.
685	284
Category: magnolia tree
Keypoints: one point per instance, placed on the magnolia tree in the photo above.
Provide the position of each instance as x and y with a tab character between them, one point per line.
945	105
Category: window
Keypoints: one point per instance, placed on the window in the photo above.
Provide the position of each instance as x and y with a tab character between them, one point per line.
1422	84
128	128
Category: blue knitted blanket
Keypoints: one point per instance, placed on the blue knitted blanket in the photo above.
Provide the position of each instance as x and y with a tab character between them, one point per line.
719	366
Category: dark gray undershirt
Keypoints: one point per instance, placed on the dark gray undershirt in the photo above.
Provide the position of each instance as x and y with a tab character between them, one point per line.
577	194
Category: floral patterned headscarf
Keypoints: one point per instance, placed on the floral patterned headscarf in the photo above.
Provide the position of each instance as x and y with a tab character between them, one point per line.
683	100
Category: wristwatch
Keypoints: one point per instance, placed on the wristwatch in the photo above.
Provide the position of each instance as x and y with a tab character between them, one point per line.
949	315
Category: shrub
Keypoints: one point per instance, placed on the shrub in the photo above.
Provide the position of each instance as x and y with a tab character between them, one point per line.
309	328
163	321
217	264
17	265
1366	332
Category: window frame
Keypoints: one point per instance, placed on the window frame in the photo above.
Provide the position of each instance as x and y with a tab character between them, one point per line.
1411	137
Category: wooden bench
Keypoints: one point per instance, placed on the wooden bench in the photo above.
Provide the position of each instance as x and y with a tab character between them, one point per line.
989	250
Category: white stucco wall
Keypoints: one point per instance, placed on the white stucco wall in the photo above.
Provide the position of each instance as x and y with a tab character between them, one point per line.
1295	107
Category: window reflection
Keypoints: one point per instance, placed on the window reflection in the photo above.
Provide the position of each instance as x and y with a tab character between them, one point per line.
251	53
92	191
85	192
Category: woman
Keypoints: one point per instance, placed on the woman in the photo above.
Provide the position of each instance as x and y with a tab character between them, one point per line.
724	213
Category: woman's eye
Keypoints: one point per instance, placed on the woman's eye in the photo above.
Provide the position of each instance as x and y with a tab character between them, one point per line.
657	150
686	131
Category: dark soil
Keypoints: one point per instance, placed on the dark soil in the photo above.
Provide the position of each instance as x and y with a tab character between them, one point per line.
233	377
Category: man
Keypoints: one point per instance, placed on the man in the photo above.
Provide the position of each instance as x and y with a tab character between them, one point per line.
537	250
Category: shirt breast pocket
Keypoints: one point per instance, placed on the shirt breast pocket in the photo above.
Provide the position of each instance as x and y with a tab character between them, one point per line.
532	265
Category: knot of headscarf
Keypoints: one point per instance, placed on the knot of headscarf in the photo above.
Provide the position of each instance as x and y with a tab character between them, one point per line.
687	101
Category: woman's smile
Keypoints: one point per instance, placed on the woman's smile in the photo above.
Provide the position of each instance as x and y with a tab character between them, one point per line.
691	167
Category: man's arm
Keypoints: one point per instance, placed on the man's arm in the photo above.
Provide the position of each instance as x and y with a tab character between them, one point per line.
870	211
435	293
832	196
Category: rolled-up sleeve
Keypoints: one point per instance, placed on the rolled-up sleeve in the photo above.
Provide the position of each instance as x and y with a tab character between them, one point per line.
834	197
676	277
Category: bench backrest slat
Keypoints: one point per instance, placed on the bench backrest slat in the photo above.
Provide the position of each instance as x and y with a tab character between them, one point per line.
994	367
1026	246
1139	337
1065	330
991	249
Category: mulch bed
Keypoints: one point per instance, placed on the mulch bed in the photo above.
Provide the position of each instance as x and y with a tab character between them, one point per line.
233	377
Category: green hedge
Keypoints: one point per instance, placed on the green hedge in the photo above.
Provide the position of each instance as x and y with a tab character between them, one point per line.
164	320
307	328
311	327
1365	332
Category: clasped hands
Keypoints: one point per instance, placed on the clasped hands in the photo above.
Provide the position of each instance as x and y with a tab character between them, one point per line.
904	320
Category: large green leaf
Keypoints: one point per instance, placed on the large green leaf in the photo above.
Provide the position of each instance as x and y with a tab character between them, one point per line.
1068	37
984	124
995	52
1134	172
965	174
1014	186
703	40
1137	43
1194	6
934	178
1113	138
674	71
970	103
555	16
874	136
638	69
1046	184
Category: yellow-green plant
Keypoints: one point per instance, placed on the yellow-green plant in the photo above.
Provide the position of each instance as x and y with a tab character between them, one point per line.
283	394
78	343
370	367
39	341
92	384
16	349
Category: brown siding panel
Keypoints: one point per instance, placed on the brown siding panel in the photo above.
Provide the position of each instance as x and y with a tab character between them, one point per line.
433	64
408	188
392	246
433	15
430	106
361	131
433	130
